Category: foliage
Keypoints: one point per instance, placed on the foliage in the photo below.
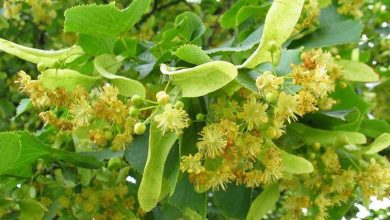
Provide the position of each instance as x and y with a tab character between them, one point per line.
175	109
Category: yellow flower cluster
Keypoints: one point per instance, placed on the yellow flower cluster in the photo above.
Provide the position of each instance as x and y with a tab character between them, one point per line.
42	11
309	16
350	7
236	144
317	75
100	200
226	154
331	185
99	114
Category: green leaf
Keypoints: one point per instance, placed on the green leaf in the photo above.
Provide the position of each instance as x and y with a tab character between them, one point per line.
172	168
192	54
379	144
137	152
288	58
24	105
348	99
296	165
249	11
104	20
10	149
48	58
189	26
338	212
31	210
359	72
127	87
245	79
331	33
202	79
234	202
94	46
33	148
185	198
228	19
159	147
279	24
3	22
374	127
67	79
246	44
328	138
264	202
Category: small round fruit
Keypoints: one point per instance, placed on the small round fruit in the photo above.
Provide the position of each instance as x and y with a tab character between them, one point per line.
272	46
199	117
114	163
136	100
316	146
133	111
139	128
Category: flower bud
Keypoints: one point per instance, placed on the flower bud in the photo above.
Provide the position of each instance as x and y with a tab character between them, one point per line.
114	163
200	117
139	128
133	111
272	46
136	100
162	98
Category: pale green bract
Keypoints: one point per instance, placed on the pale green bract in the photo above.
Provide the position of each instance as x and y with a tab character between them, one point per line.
202	79
159	146
104	20
106	64
264	202
358	72
46	57
379	144
313	135
296	165
67	79
279	24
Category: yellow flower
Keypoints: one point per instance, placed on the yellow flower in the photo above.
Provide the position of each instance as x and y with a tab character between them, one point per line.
254	113
323	202
250	145
221	177
331	159
212	142
268	82
253	178
192	164
120	141
172	119
81	112
273	163
306	103
327	103
109	93
286	107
